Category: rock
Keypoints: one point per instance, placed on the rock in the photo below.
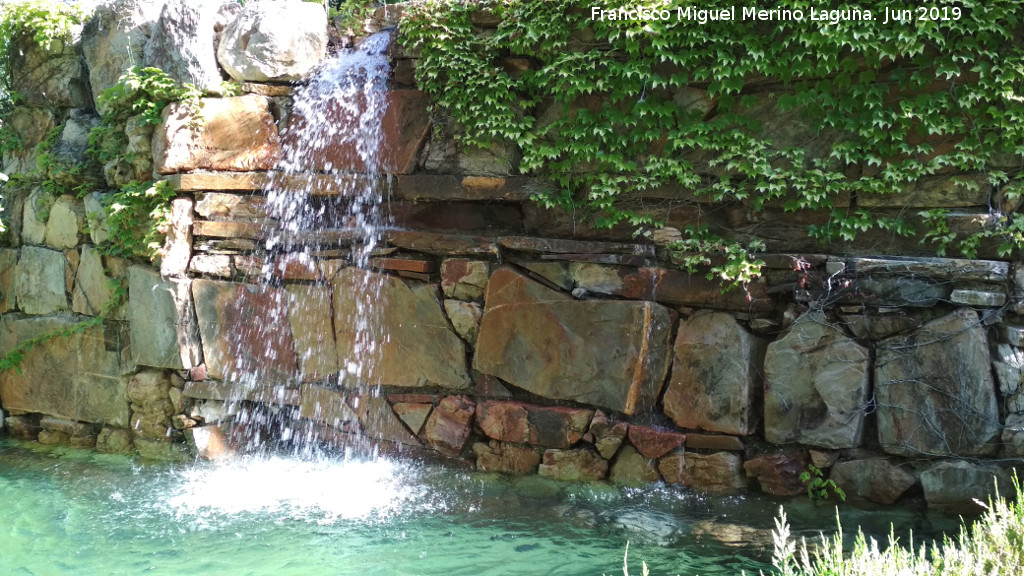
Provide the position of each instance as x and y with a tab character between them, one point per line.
238	134
718	473
53	77
326	405
412	342
875	480
465	318
464	279
23	427
150	388
715	377
75	377
978	298
607	434
96	218
8	277
404	126
413	414
900	291
938	269
778	474
114	441
654	443
954	485
177	249
164	328
504	457
243	331
209	442
448	427
712	442
31	124
309	315
40	285
274	41
817	386
1013	436
211	265
35	212
576	465
934	390
1008	363
546	343
633	469
549	426
151	426
92	291
113	40
181	44
52	437
381	423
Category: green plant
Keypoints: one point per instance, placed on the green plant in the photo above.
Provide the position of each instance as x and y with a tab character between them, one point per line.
141	92
137	219
45	21
818	488
608	110
992	545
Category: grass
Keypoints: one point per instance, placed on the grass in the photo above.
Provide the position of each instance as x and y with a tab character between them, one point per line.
992	545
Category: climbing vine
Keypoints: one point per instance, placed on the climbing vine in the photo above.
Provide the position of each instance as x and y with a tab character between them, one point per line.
610	109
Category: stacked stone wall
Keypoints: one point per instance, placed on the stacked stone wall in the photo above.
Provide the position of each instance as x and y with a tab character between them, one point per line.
507	336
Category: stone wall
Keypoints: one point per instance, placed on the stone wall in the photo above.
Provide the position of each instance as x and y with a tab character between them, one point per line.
504	334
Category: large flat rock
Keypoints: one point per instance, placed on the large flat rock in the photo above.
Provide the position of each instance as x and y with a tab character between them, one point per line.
935	391
245	331
715	376
235	134
549	344
816	386
164	333
76	377
394	333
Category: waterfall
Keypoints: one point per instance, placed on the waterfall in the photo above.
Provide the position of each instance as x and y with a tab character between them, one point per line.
325	198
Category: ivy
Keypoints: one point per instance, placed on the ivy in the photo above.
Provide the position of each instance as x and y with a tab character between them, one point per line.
137	219
609	110
139	92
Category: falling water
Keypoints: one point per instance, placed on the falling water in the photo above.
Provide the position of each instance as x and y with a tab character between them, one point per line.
326	200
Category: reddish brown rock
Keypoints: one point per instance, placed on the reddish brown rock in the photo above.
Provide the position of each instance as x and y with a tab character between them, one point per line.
244	330
449	424
209	442
718	473
549	344
550	426
414	415
464	279
778	474
405	127
575	465
606	434
654	443
235	134
875	480
715	378
505	457
309	316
